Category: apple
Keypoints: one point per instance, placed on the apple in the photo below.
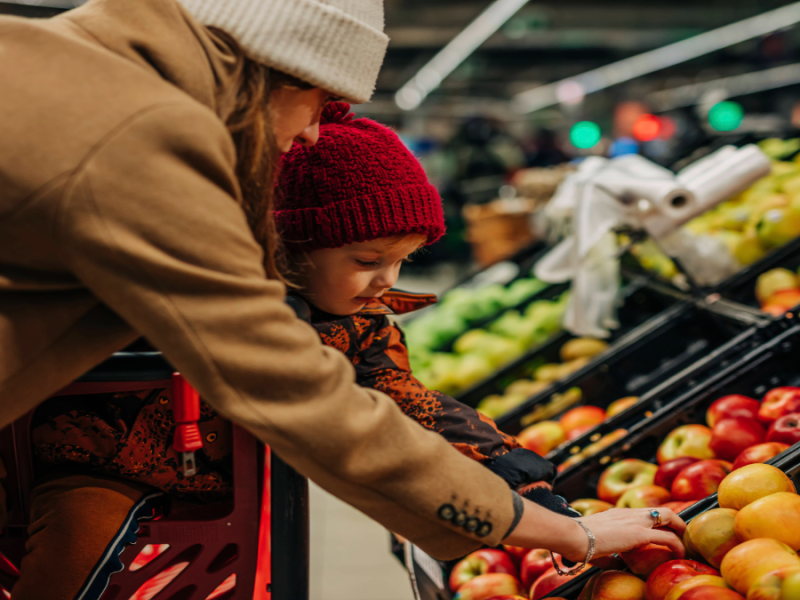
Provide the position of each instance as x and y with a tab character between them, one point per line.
590	506
760	453
713	534
579	431
644	496
547	582
668	471
667	576
618	406
517	553
748	562
785	430
684	586
778	402
678	506
700	479
783	584
613	585
686	440
734	405
643	560
774	280
776	516
487	586
622	476
542	437
750	483
480	562
581	416
782	301
733	435
710	592
535	563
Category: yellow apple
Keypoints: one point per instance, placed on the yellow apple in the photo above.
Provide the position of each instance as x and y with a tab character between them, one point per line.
748	562
713	534
776	516
750	483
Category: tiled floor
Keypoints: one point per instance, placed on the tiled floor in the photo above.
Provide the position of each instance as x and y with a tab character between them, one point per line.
350	557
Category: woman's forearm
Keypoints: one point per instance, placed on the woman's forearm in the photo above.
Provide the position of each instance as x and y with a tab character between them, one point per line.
542	528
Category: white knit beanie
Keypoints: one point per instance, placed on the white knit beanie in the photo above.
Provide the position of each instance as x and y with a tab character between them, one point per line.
337	45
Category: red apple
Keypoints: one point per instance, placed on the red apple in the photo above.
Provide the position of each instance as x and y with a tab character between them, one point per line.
667	472
644	496
734	405
686	440
760	453
549	581
710	592
487	586
670	574
677	506
581	417
542	437
535	563
778	402
733	435
644	560
700	479
785	430
517	553
706	580
622	476
481	562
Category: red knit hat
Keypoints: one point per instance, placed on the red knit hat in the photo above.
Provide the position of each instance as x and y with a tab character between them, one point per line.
358	183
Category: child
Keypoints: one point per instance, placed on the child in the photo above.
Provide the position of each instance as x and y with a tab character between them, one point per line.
351	210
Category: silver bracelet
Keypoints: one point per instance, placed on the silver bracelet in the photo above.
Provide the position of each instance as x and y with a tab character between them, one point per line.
589	555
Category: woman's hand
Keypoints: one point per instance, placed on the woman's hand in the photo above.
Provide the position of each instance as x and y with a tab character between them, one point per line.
615	530
621	529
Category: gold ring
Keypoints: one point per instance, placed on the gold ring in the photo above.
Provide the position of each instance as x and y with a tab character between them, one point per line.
656	518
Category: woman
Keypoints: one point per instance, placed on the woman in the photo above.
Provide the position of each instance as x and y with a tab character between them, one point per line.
134	202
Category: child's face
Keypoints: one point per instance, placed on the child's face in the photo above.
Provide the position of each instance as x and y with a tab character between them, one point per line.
341	281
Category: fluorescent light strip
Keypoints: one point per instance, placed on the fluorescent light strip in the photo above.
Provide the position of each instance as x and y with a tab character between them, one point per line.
661	58
429	77
737	85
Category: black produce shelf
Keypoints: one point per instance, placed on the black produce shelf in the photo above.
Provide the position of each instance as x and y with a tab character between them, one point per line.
660	360
641	303
788	462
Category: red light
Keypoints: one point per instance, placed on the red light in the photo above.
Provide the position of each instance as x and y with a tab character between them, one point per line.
647	128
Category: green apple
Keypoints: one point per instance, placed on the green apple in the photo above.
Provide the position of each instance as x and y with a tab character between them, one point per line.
778	226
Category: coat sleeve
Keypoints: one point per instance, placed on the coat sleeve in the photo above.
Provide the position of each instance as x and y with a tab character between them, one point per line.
383	365
151	224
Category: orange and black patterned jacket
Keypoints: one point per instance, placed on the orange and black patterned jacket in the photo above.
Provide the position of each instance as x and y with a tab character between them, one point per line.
377	349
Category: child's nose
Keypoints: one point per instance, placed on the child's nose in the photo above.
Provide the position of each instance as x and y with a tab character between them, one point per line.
386	278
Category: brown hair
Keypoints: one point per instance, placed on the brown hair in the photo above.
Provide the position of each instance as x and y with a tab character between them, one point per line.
257	153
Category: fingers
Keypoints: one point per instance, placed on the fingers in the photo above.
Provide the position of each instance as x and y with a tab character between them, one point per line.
668	539
668	520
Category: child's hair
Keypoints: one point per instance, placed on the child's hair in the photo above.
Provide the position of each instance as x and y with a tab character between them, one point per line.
358	183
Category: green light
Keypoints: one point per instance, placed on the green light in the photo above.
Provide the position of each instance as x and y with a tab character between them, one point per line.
584	134
726	116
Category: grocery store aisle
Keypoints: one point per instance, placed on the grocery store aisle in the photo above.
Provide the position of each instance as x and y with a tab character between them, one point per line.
350	556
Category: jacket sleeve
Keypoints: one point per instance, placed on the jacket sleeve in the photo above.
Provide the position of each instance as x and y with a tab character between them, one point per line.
383	365
151	224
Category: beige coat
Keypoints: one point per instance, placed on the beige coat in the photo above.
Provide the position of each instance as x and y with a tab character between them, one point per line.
120	217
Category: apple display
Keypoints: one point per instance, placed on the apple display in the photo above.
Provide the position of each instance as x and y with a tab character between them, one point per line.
734	405
678	506
516	553
581	417
783	584
643	560
618	406
669	470
487	586
684	586
751	483
622	476
710	592
613	585
699	480
686	440
785	429
644	496
748	562
480	562
667	576
760	453
542	437
712	534
776	516
590	506
733	435
778	402
534	565
548	582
